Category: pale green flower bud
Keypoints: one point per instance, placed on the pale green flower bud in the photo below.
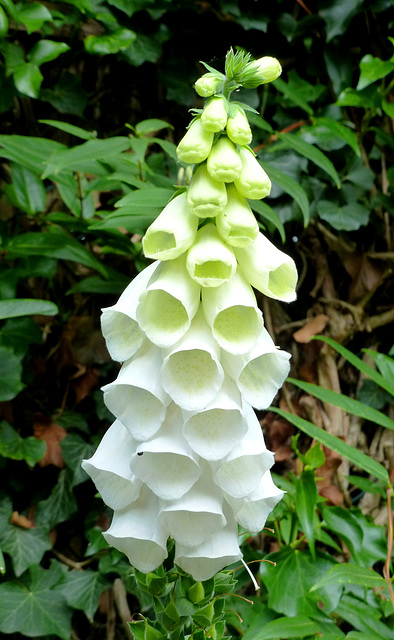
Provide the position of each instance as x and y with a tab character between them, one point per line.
268	69
214	115
206	197
238	128
195	144
207	85
223	162
209	261
253	181
237	224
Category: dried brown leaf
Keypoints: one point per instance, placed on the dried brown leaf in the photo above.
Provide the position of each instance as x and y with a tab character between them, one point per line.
20	521
311	328
52	434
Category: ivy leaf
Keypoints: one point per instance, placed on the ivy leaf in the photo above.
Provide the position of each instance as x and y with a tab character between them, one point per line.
350	574
292	627
32	607
46	50
75	449
10	374
17	448
60	505
82	590
28	79
313	154
32	15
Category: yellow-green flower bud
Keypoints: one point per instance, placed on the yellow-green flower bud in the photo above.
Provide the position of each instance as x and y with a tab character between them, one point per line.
253	181
196	593
236	223
207	85
238	128
206	197
195	144
214	115
268	69
223	161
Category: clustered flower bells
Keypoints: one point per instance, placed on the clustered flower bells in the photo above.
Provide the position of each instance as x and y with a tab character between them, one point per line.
185	457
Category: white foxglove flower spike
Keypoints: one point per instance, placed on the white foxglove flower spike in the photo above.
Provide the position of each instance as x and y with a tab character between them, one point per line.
223	162
166	463
209	261
206	197
195	144
260	372
216	552
214	115
109	467
252	512
253	181
268	269
238	128
169	303
240	473
137	397
215	430
136	532
232	313
172	233
237	224
119	324
191	373
197	515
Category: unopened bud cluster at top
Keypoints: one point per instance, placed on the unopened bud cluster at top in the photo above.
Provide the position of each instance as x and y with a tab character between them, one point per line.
186	457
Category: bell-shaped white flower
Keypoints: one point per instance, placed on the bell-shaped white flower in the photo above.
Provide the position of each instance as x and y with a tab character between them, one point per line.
240	472
237	224
169	303
215	430
206	197
191	373
232	313
137	532
137	397
214	115
216	552
207	84
166	463
252	512
173	231
260	372
197	514
119	324
210	262
109	467
268	269
253	181
223	162
238	128
195	144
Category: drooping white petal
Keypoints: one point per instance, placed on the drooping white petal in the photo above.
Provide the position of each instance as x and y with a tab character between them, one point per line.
137	532
218	551
172	233
232	313
214	115
223	162
195	144
197	515
210	262
236	223
260	372
137	397
205	196
119	324
253	181
191	373
109	467
169	304
166	463
240	473
213	431
268	269
252	512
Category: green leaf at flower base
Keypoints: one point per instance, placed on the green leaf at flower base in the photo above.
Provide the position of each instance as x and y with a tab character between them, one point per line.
314	155
29	190
291	187
315	457
24	546
10	374
71	128
82	590
152	197
364	618
29	152
358	458
60	505
305	501
344	402
32	15
92	150
350	574
145	127
33	607
266	212
26	307
347	218
28	79
292	627
118	40
13	446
